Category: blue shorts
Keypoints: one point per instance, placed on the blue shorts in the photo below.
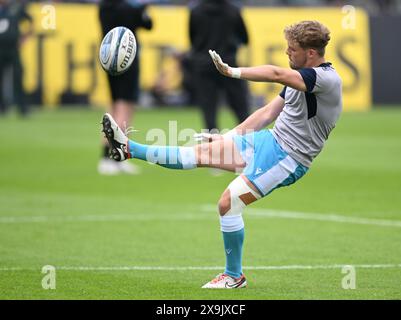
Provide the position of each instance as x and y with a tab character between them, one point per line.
268	166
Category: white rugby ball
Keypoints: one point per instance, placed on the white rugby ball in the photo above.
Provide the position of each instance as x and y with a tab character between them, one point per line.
117	51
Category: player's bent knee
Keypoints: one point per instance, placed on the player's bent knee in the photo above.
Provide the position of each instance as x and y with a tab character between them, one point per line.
225	202
236	197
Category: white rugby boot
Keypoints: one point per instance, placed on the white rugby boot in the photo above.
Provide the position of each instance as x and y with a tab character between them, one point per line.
224	281
116	137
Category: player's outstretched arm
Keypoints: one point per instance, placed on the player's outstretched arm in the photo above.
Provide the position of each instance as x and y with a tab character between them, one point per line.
262	117
265	73
258	120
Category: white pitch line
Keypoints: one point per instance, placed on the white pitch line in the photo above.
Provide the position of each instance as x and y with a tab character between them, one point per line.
189	268
105	218
168	216
315	217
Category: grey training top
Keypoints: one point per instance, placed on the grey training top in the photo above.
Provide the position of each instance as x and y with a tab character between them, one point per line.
308	117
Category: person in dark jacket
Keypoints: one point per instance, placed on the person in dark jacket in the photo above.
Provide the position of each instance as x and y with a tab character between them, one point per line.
124	88
12	13
217	24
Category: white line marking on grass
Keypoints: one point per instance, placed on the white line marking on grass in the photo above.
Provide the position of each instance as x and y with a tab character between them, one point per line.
189	268
16	269
315	216
250	213
106	217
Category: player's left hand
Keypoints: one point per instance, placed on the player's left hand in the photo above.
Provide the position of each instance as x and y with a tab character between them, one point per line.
222	67
207	137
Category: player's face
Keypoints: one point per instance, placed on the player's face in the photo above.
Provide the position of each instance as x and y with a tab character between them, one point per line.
297	55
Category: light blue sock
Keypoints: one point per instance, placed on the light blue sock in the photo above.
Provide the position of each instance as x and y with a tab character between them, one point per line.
233	242
168	157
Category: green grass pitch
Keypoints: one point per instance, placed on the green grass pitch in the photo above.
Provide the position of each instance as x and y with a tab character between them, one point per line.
156	235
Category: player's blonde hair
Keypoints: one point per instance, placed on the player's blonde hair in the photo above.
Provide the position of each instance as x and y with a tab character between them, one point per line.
309	35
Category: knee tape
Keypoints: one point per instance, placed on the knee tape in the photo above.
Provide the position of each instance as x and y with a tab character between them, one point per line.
239	192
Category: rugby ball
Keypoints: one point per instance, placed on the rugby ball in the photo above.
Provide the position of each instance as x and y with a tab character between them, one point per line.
117	51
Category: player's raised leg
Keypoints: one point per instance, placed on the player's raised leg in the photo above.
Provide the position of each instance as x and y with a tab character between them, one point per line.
221	154
235	198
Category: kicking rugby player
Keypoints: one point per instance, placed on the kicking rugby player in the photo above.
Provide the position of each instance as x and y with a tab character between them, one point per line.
305	112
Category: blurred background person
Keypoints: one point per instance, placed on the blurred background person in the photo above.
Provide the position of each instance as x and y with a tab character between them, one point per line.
124	88
217	25
174	85
12	14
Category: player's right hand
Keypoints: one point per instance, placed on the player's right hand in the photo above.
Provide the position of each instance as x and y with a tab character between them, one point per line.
222	67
